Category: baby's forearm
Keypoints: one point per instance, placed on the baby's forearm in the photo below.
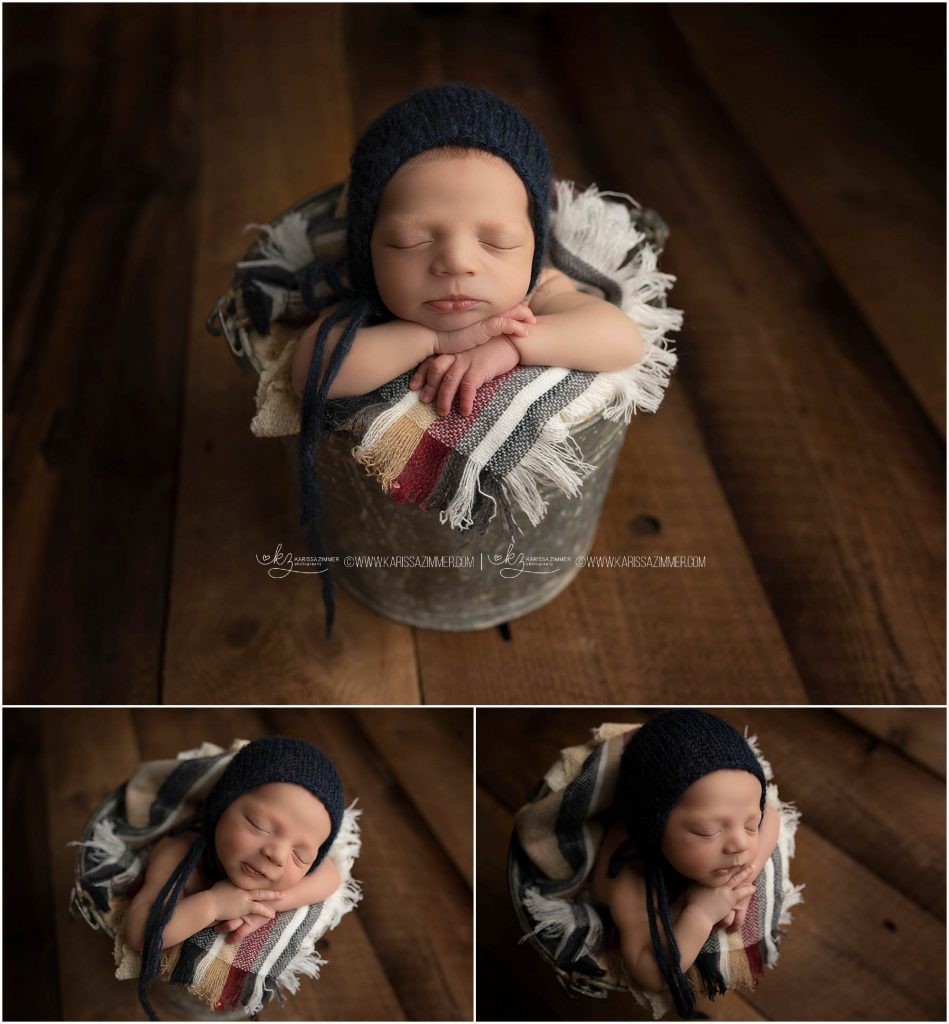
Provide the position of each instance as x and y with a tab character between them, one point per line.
691	932
580	332
378	355
192	914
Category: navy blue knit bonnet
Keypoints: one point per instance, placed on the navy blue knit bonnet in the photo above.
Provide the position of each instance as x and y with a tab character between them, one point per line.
262	761
659	763
451	114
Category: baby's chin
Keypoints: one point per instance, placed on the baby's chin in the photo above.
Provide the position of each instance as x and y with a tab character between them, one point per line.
436	321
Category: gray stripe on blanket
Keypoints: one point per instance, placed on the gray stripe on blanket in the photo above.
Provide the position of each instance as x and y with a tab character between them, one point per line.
291	948
778	895
574	809
569	829
450	478
176	787
542	409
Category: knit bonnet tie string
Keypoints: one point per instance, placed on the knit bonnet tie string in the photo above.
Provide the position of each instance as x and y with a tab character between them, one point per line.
313	409
158	917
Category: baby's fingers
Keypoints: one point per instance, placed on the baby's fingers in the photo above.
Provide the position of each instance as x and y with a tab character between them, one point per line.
740	876
508	325
436	370
264	909
521	312
265	894
416	381
466	393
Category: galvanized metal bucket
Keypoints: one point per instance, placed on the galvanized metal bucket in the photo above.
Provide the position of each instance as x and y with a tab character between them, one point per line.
401	560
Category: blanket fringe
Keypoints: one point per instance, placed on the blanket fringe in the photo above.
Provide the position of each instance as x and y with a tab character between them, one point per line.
556	919
285	245
105	846
604	235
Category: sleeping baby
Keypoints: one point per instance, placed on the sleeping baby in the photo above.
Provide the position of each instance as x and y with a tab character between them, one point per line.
447	228
265	830
694	833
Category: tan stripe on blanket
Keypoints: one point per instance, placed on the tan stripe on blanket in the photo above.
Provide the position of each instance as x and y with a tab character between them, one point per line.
388	456
536	822
210	987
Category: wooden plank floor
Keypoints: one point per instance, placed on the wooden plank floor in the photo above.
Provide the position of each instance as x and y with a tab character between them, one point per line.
800	447
868	943
405	953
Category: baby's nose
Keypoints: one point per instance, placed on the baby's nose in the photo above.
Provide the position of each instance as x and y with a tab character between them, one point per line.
454	257
738	841
275	855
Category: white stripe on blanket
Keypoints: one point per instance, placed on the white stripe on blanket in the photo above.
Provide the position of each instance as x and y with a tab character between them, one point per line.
256	999
385	421
458	512
213	952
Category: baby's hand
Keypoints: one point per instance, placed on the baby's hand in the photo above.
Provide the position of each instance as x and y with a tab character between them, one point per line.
735	921
717	904
514	321
463	374
230	902
240	927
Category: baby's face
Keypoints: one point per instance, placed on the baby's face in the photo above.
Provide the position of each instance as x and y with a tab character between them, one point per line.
268	838
713	830
452	226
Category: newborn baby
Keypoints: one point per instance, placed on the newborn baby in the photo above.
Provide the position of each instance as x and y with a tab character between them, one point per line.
448	210
452	249
265	830
696	833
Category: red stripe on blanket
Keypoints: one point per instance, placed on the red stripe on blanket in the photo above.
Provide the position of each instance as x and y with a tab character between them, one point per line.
232	990
245	961
421	472
755	962
248	952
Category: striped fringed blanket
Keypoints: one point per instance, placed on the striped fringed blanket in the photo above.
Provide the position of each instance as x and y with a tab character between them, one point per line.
111	868
556	839
518	438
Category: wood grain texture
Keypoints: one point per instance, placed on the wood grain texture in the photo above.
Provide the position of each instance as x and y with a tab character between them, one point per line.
864	797
30	898
235	634
860	947
920	737
834	476
103	155
871	227
430	753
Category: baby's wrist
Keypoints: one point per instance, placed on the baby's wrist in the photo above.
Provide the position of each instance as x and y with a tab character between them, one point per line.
699	916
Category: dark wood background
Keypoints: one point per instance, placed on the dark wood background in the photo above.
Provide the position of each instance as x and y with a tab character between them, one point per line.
867	943
797	154
404	953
